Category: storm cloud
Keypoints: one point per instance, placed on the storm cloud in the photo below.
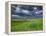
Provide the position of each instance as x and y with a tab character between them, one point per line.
26	11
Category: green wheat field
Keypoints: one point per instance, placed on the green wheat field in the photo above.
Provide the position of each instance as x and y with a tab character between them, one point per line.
31	25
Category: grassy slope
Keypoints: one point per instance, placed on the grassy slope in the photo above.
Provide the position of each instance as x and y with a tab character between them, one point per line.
34	24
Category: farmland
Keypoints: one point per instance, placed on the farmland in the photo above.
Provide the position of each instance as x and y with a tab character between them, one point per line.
30	25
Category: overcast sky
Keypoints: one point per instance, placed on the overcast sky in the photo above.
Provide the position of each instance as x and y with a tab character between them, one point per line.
26	11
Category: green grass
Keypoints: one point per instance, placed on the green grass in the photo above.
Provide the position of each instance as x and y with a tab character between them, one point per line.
33	25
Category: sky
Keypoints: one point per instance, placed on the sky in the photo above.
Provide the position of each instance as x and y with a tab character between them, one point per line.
26	11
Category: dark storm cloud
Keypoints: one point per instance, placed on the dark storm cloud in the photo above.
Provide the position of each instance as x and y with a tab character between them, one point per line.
25	11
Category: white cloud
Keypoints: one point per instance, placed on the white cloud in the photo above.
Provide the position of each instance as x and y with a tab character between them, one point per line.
35	8
38	12
16	16
17	10
25	11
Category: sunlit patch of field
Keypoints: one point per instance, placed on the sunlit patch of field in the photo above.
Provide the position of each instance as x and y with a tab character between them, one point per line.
32	25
